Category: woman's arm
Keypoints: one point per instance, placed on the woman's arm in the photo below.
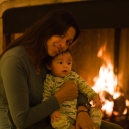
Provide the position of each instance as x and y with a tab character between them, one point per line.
24	93
68	91
83	119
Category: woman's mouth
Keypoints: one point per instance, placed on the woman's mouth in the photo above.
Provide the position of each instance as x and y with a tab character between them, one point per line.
57	50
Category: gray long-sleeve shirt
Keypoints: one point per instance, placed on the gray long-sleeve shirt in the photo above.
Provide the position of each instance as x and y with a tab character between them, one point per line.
21	89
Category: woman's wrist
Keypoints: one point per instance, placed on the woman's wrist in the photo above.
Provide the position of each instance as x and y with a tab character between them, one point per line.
81	108
86	105
60	97
79	111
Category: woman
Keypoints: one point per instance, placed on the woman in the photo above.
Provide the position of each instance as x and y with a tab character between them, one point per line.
22	72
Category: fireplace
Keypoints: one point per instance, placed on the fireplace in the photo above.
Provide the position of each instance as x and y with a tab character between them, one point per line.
101	54
100	58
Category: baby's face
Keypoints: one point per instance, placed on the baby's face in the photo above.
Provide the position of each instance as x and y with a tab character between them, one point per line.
61	65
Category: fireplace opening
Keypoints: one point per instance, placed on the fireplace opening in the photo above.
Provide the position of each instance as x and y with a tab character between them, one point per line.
101	58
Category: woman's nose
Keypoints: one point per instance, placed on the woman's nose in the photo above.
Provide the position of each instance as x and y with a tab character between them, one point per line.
63	45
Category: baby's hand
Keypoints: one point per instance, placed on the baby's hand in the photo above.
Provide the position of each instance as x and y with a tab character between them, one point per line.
55	116
96	102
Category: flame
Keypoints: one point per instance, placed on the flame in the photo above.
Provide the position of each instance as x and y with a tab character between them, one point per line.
106	82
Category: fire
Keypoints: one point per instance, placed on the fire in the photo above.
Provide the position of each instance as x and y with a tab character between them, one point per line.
106	82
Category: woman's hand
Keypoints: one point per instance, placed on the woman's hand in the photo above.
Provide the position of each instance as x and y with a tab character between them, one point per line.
68	91
83	120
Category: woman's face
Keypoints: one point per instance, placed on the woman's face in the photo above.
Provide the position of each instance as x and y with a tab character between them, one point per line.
59	43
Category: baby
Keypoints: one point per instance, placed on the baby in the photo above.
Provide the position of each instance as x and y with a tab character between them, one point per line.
60	68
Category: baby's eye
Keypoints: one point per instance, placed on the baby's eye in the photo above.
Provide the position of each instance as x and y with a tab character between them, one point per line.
59	62
69	63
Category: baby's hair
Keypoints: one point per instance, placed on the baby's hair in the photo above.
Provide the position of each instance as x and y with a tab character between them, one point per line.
66	51
49	59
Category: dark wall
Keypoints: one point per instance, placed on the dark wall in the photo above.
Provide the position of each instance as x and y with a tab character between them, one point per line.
89	14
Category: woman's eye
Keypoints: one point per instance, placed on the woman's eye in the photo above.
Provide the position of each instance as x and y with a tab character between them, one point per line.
69	42
62	36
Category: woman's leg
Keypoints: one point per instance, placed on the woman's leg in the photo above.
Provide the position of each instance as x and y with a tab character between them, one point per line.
44	124
109	125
